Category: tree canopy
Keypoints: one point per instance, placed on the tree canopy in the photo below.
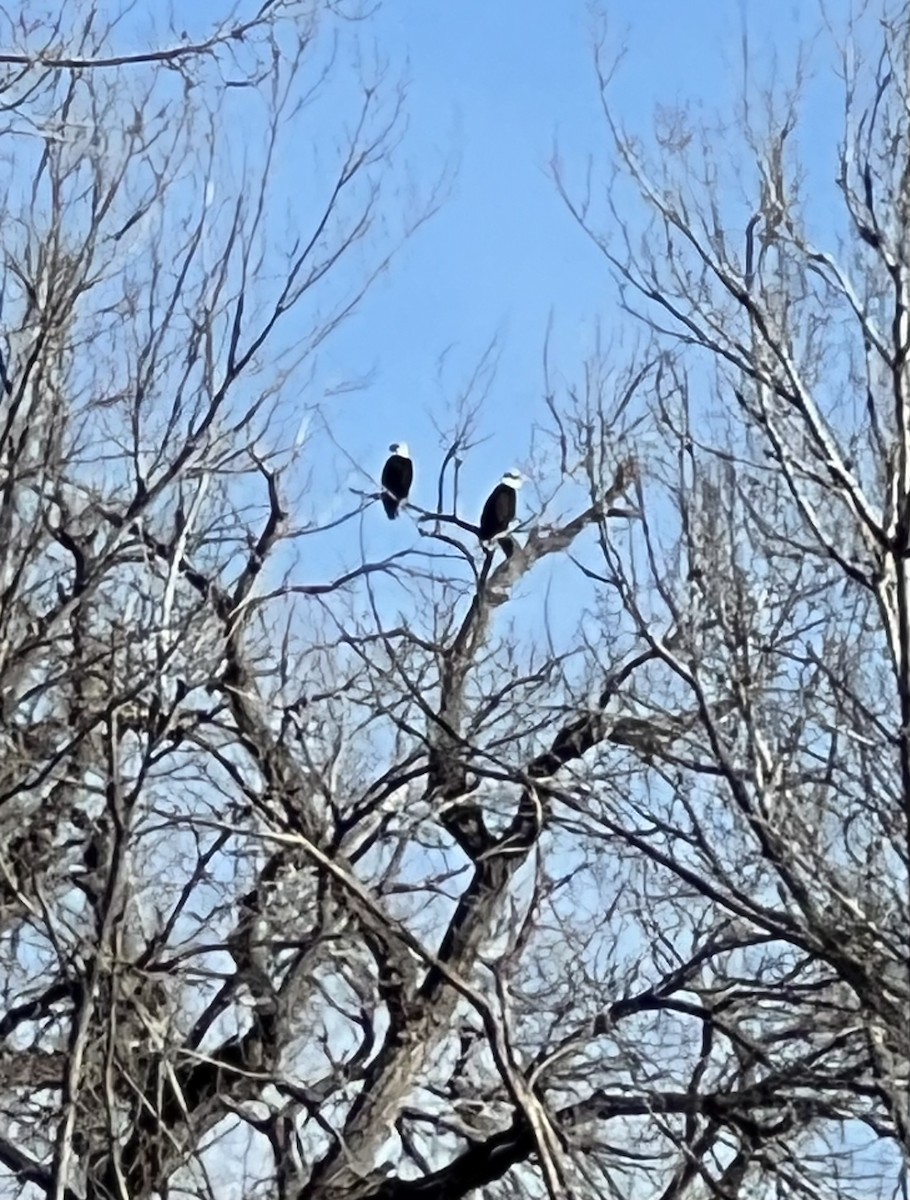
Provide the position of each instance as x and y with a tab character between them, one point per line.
580	872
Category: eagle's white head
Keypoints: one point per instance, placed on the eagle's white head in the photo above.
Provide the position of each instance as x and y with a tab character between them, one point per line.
513	479
401	449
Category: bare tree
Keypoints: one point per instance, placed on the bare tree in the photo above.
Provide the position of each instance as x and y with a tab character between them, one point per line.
581	872
769	584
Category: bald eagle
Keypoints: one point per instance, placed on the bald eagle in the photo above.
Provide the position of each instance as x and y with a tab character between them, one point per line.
397	476
498	515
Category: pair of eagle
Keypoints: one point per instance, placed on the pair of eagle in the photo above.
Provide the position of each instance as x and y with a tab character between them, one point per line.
498	513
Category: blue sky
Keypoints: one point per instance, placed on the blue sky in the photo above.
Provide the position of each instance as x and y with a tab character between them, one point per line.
493	86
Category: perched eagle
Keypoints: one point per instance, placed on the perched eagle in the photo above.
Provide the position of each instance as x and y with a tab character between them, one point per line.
397	475
498	515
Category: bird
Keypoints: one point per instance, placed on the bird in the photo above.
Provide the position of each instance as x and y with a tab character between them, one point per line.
498	515
397	476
